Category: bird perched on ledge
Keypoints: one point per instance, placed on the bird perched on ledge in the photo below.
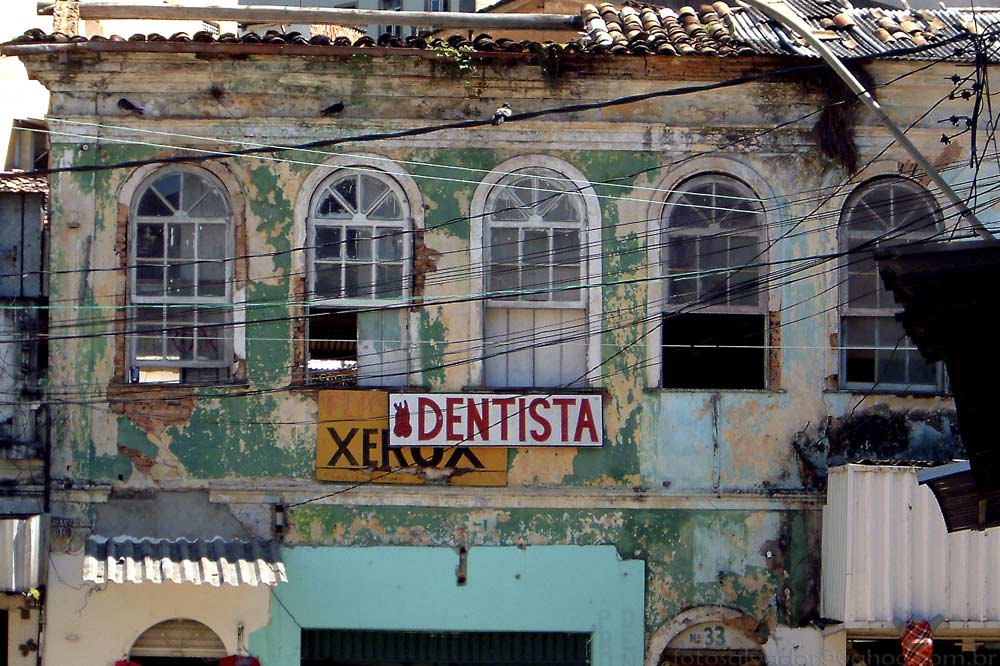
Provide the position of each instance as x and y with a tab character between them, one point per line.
126	105
333	109
502	114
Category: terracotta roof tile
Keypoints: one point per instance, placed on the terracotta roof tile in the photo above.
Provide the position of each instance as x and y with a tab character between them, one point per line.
23	184
717	29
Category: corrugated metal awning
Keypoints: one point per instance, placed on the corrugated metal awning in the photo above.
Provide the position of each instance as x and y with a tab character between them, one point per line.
963	505
212	562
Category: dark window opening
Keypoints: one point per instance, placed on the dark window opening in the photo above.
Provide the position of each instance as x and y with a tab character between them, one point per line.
326	647
333	346
715	351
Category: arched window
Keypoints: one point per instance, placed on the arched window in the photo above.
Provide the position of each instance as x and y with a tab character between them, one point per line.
875	352
359	249
180	278
712	245
180	640
535	240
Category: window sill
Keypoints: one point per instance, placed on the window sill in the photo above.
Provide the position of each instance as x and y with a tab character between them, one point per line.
153	386
660	389
860	392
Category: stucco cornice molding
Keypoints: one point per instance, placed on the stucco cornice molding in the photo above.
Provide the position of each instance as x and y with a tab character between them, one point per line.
535	498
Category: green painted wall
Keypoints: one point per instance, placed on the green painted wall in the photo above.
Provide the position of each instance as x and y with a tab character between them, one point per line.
558	588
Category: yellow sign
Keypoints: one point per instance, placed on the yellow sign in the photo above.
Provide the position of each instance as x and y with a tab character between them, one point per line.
353	446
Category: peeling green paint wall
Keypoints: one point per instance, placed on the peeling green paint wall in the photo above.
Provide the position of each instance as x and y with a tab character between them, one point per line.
693	557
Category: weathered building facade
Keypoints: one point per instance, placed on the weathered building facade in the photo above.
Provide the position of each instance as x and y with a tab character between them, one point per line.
568	384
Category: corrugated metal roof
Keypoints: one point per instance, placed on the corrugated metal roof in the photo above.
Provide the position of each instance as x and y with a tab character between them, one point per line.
717	29
20	554
964	505
888	555
200	562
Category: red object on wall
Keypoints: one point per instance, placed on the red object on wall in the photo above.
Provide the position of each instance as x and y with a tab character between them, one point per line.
127	662
236	660
918	644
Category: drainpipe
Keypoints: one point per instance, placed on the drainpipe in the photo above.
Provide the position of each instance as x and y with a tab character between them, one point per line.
778	11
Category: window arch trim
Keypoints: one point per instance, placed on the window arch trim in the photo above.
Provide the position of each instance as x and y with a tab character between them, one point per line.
203	338
590	278
867	325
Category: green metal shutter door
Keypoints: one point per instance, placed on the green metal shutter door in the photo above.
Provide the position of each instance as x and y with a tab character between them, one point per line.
480	648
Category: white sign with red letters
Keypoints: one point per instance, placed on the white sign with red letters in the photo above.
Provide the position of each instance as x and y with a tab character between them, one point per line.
480	419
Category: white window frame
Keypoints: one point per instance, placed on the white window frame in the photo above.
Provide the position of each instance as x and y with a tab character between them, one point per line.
589	300
845	237
224	302
403	185
673	185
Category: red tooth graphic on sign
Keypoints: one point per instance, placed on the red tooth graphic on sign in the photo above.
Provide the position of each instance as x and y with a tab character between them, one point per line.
401	421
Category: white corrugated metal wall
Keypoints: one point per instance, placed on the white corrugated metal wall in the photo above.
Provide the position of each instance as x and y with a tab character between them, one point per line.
887	555
20	554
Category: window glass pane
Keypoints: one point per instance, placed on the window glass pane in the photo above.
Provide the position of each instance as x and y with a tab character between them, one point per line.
327	243
359	243
210	334
390	244
682	254
693	209
563	209
890	333
211	205
744	250
714	252
507	207
536	247
200	198
522	190
327	281
180	280
564	276
169	188
860	331
390	281
503	245
180	334
712	289
211	278
891	366
211	241
148	280
862	289
372	190
348	190
566	246
735	214
152	205
180	241
149	240
535	279
330	206
683	289
359	281
745	287
919	370
389	209
147	323
504	278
